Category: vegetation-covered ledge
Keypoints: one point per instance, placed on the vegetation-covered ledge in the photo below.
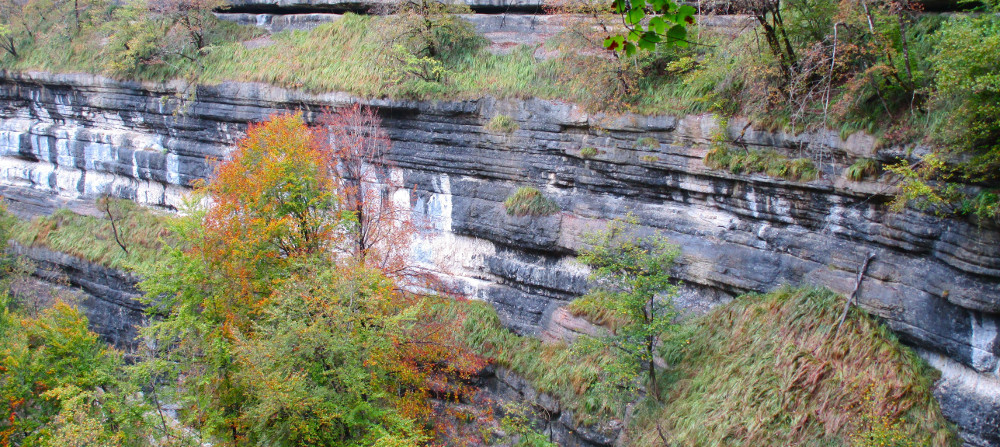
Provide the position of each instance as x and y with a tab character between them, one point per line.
254	101
905	76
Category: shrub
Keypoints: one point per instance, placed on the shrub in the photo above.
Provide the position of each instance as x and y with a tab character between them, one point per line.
501	123
967	85
528	201
588	152
863	168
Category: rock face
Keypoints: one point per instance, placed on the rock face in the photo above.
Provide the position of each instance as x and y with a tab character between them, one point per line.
109	297
552	420
936	282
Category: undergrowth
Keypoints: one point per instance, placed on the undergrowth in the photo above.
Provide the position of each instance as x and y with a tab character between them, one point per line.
143	232
763	370
771	370
551	368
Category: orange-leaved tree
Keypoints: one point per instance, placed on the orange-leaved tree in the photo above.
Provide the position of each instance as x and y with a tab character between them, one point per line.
285	322
272	202
268	210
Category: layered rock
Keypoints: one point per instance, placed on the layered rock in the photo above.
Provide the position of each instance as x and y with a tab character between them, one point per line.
108	297
935	281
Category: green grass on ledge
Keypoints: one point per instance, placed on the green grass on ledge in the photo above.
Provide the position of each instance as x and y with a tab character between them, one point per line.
348	55
764	370
143	231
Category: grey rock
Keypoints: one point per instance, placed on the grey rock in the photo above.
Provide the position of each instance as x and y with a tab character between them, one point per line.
110	297
504	386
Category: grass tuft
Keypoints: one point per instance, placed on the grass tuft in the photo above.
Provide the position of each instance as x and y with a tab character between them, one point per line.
528	201
501	123
863	168
592	310
588	152
647	143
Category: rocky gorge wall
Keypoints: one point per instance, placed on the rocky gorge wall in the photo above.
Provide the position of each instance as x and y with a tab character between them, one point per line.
936	282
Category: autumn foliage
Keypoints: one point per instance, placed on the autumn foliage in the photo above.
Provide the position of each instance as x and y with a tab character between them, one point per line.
272	203
287	318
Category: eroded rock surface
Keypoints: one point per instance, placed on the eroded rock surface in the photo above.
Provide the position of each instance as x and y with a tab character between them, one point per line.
935	281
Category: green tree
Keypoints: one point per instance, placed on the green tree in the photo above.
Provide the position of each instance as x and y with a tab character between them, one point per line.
631	277
322	364
272	207
60	384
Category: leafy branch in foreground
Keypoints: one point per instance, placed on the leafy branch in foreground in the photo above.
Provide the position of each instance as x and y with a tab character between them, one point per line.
668	26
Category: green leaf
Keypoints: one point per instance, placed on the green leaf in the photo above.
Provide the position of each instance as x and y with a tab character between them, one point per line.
634	16
649	40
629	49
620	6
658	25
614	43
661	5
677	35
685	15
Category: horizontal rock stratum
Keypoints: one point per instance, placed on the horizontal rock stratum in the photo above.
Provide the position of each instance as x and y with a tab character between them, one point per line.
934	281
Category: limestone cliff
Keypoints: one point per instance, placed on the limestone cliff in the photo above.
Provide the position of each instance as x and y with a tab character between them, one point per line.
935	281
